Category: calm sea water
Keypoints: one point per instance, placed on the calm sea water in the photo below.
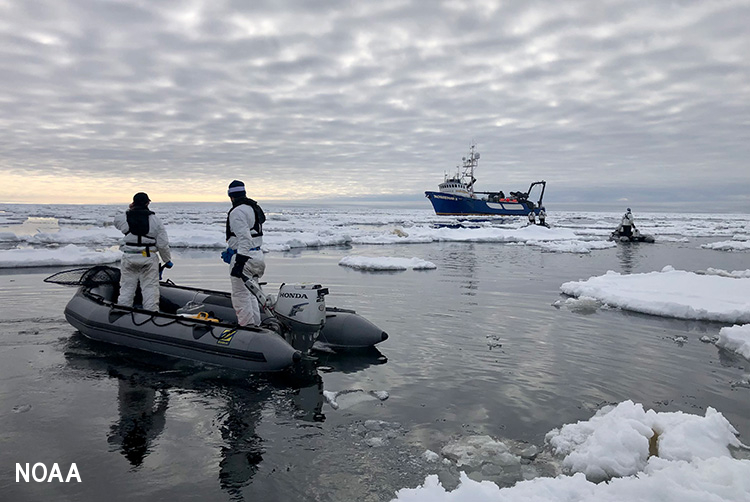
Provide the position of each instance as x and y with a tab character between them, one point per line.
476	347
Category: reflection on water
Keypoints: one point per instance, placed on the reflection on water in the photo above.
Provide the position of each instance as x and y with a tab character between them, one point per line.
309	401
461	259
350	361
626	254
142	411
145	382
242	450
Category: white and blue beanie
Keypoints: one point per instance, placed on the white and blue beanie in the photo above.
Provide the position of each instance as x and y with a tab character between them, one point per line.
236	189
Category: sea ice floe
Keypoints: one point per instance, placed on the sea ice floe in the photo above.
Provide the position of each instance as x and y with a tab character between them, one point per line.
737	274
385	263
619	440
735	338
66	255
642	455
581	305
478	451
733	245
670	293
379	433
198	226
346	398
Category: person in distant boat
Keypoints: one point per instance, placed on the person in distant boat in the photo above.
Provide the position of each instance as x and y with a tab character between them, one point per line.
532	218
244	233
145	235
627	225
542	217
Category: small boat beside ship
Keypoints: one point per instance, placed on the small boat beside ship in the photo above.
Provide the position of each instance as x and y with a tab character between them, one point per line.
456	195
201	325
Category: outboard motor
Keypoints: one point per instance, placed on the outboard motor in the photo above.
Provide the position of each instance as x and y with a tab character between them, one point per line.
302	309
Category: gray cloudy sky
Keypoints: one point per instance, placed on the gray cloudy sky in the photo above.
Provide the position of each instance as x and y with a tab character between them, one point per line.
606	100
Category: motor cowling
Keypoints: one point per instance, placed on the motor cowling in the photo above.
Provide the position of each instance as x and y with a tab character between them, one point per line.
302	308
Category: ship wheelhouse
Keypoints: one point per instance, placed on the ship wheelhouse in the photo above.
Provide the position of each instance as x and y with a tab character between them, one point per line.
454	186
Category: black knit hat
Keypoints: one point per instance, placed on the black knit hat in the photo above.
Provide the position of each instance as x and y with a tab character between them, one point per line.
141	199
236	189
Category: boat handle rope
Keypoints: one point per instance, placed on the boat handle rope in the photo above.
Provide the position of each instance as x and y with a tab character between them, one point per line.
152	319
177	320
183	321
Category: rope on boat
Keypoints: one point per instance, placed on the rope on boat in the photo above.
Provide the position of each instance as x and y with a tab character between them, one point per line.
183	321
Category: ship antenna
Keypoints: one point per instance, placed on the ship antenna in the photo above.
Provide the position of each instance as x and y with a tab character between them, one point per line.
471	163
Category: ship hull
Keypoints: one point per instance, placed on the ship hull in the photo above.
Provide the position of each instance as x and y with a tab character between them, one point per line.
446	204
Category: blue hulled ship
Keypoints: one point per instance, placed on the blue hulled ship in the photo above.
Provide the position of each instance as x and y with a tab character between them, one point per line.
456	195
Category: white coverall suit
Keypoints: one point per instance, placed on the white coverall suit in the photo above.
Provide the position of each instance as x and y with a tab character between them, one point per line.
135	266
628	224
245	242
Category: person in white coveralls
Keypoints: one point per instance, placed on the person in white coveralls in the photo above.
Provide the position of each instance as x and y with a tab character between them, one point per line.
145	240
627	225
543	217
244	234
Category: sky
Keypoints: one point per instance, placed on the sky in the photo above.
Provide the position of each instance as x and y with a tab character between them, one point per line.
615	102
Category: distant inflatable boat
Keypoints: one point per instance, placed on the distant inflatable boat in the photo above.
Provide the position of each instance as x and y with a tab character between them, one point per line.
201	325
457	197
635	236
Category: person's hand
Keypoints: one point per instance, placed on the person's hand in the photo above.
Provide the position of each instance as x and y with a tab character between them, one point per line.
169	264
227	254
239	265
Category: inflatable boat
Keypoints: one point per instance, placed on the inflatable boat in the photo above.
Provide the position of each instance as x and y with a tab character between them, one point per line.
201	325
635	236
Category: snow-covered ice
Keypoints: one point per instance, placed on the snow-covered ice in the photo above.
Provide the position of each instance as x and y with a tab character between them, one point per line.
66	255
738	274
385	263
670	293
202	226
346	398
642	455
618	441
732	245
736	338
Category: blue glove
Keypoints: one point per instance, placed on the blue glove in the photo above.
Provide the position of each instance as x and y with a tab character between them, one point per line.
169	264
226	255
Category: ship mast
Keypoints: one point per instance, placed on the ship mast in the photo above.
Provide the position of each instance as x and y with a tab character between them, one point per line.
469	165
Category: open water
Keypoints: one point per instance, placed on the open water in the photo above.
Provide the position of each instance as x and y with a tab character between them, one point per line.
476	347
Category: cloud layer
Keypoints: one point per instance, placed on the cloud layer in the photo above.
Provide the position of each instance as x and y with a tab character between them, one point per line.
340	97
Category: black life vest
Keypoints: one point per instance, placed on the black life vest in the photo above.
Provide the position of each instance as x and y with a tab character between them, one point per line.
260	218
138	224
